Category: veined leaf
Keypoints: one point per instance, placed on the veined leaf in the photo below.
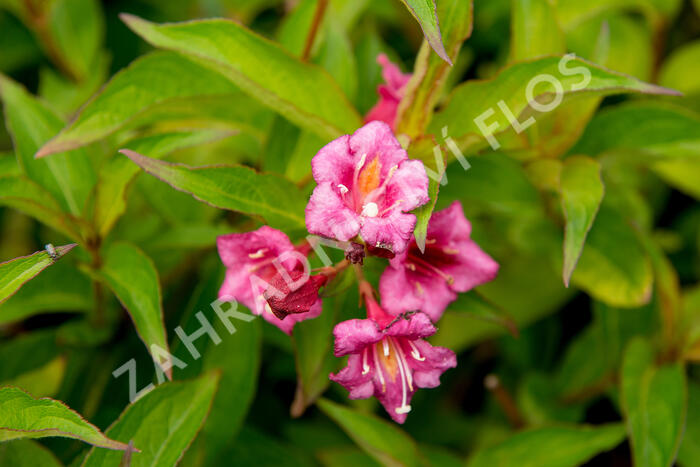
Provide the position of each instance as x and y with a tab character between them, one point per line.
658	130
237	188
68	177
15	273
556	446
60	288
573	75
162	423
134	280
380	439
24	195
301	92
690	447
581	189
118	173
425	13
158	87
22	416
653	400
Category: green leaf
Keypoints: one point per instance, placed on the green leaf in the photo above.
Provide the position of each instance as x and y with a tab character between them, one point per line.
158	87
27	453
655	129
77	28
24	195
382	440
683	174
22	416
689	451
680	67
431	73
572	12
581	190
510	85
15	273
653	399
162	423
301	92
535	30
237	188
425	13
60	288
614	267
117	174
41	382
68	177
238	359
134	280
556	446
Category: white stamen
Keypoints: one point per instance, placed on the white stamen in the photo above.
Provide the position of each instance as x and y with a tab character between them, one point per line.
370	210
258	254
405	408
362	162
365	366
392	206
415	353
385	344
343	188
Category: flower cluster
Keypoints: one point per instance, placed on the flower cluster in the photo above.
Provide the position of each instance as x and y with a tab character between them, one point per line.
366	188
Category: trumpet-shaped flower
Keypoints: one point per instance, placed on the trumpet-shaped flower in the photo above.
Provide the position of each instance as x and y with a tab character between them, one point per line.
430	281
366	185
254	261
389	359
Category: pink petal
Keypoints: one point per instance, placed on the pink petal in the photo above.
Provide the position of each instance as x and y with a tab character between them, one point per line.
351	377
235	248
354	335
426	373
474	267
398	293
237	286
334	163
449	224
393	231
392	74
409	186
412	326
328	216
376	139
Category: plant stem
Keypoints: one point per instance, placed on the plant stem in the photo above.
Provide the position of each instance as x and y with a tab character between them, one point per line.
315	25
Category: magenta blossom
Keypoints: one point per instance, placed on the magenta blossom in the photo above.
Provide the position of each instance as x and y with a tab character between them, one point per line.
429	281
389	358
253	261
366	185
390	94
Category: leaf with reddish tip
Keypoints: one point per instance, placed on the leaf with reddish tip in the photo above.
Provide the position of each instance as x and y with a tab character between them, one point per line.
15	273
23	417
237	188
425	13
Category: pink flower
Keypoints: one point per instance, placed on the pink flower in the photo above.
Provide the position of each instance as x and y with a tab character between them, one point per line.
389	358
390	94
429	281
253	261
366	185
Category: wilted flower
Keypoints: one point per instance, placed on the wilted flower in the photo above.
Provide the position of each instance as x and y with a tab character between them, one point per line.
452	263
366	185
256	260
389	358
390	93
